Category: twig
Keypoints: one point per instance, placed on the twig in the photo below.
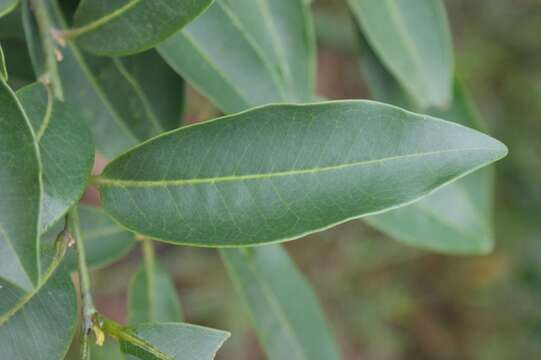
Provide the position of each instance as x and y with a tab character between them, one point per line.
89	311
50	51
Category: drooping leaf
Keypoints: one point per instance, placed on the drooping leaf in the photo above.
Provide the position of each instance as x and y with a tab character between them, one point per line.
413	40
44	326
3	69
121	106
66	148
169	341
279	172
152	296
455	219
126	27
283	307
243	53
7	6
20	193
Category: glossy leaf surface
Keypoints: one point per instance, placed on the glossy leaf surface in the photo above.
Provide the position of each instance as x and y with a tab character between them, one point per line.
6	6
282	171
66	148
45	325
129	26
455	219
413	40
243	53
283	307
174	341
20	193
152	296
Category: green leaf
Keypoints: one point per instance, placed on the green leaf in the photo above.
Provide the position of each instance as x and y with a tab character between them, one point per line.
66	148
126	27
455	219
280	172
171	341
152	296
120	105
3	68
243	53
45	325
7	6
283	307
20	191
412	38
105	241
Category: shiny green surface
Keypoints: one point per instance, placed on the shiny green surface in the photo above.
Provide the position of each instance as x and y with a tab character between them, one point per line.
279	172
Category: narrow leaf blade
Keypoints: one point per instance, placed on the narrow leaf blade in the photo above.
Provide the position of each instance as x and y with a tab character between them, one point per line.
152	297
414	44
174	341
20	191
269	56
121	28
283	307
3	68
279	172
455	219
66	148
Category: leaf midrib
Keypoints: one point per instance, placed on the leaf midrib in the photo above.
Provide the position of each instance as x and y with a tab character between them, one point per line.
109	182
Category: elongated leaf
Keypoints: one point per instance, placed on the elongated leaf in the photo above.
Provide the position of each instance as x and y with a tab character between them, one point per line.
20	191
3	69
7	6
66	148
129	26
283	307
152	297
121	106
173	341
413	40
105	241
282	171
243	53
455	219
44	326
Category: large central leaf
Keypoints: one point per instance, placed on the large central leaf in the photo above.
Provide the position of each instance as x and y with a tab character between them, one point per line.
279	172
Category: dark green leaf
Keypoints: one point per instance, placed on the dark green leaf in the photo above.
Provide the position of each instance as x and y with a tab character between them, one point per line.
283	307
455	219
44	326
152	297
66	148
243	53
3	69
20	193
129	26
7	6
170	341
279	172
120	105
413	40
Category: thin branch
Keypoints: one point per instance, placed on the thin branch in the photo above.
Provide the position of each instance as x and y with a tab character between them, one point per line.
50	51
149	261
89	311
